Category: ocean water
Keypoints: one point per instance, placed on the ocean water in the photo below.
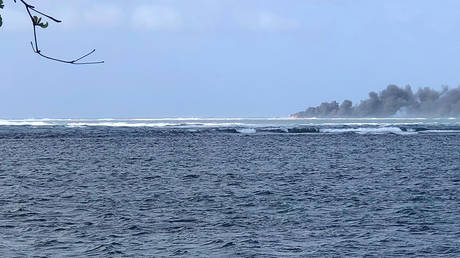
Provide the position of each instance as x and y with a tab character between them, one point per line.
230	187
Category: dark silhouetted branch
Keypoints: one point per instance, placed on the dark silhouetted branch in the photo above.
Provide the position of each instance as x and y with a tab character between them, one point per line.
36	22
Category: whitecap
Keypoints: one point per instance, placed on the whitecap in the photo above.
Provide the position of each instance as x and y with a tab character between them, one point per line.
367	130
440	131
246	130
23	123
120	124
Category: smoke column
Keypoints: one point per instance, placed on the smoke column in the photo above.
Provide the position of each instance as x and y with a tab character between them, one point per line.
393	101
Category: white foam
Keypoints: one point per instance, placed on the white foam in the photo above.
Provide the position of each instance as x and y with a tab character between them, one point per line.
357	125
246	130
151	123
366	130
120	124
23	122
441	131
221	124
75	125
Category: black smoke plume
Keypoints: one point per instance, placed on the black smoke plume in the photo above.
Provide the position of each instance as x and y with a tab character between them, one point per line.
393	101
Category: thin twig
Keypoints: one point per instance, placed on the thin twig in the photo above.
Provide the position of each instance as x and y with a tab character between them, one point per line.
47	16
34	44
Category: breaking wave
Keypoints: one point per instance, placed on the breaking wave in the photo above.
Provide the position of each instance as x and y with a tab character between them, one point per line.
378	130
134	123
24	123
399	126
120	124
246	130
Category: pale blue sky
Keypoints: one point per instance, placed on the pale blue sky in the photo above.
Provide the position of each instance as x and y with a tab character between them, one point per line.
222	58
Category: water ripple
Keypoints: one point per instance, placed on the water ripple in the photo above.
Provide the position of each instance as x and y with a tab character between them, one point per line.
145	192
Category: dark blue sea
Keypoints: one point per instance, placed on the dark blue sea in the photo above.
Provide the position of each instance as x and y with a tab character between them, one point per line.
230	187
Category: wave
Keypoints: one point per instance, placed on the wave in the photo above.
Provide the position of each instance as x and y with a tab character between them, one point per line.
246	130
120	124
24	123
440	131
156	124
303	130
367	130
260	126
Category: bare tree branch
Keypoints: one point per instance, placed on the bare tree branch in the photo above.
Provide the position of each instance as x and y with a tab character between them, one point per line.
36	22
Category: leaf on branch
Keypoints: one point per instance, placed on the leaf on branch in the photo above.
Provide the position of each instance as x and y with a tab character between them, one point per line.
43	25
38	22
1	7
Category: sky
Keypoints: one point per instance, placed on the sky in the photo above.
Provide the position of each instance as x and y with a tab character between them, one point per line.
221	58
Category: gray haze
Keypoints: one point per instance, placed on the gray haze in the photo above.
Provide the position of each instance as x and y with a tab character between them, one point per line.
394	101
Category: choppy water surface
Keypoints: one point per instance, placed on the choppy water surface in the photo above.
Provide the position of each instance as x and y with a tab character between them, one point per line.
222	187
